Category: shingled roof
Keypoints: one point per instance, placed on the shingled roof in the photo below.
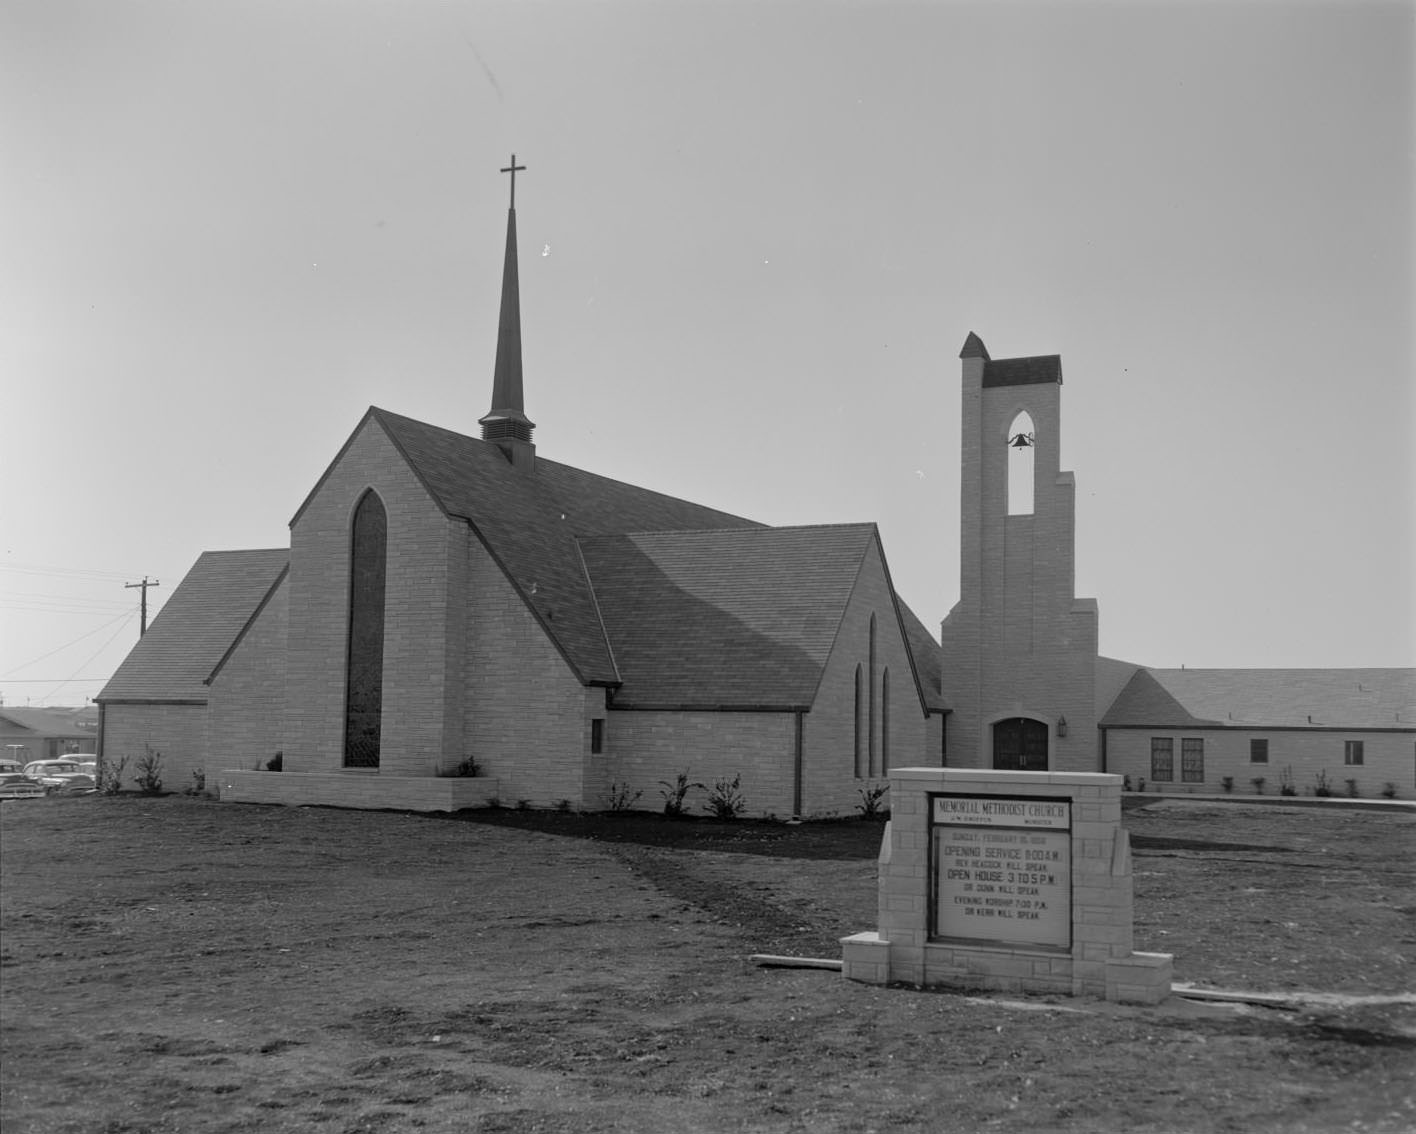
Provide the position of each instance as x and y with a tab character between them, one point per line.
544	527
196	626
729	619
530	521
1267	698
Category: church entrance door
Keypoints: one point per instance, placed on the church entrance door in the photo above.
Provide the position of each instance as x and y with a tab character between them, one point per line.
1020	745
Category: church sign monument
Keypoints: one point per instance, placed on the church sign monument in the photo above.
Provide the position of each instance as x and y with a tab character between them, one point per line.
1007	880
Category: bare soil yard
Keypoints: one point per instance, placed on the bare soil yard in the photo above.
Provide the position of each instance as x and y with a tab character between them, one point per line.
173	964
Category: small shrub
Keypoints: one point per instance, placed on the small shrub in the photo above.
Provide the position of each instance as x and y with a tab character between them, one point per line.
563	806
494	803
1351	788
1228	783
110	775
1141	783
198	784
465	767
1285	782
523	805
276	763
1389	790
149	771
1258	782
620	797
1321	785
872	805
1125	783
675	793
726	800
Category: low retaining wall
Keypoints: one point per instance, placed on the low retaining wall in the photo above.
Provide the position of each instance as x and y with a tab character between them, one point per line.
367	791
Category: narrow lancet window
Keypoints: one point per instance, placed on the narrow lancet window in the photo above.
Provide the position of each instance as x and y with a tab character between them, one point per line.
363	703
1020	465
860	769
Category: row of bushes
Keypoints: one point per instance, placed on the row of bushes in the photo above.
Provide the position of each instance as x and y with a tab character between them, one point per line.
1322	785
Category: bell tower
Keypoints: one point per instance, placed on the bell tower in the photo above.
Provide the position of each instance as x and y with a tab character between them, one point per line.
1019	648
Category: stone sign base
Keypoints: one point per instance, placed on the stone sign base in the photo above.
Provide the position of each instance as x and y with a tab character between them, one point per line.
1015	881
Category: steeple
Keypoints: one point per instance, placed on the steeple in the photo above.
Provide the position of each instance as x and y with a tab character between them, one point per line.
506	423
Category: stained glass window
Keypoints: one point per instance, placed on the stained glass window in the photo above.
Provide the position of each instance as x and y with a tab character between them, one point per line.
363	711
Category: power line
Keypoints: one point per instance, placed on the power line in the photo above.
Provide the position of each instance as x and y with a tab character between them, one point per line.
128	614
62	571
98	651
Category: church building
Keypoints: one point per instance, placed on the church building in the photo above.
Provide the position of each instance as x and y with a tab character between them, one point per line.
451	604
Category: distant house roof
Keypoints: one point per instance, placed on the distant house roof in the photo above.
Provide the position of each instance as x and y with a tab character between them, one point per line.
1267	698
42	722
196	626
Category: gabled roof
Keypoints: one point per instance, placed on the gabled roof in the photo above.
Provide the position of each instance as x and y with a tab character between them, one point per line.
196	626
529	522
1267	698
42	722
724	619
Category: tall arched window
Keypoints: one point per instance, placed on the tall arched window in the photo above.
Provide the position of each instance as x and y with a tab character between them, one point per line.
859	730
885	722
363	698
1020	465
870	676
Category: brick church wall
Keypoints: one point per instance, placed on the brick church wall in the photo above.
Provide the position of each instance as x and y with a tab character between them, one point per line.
246	713
414	738
645	747
525	716
829	782
178	732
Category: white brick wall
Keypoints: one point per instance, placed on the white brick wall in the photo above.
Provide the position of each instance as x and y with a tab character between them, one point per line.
178	732
1387	757
246	713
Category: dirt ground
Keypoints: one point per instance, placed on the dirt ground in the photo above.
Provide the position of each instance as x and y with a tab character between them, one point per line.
175	964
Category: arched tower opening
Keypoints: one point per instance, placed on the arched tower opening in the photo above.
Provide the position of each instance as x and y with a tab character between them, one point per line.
1021	462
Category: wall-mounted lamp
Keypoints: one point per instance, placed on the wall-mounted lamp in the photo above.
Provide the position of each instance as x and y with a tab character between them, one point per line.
1061	726
1020	441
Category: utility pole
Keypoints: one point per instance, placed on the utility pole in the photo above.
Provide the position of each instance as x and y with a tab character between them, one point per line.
145	584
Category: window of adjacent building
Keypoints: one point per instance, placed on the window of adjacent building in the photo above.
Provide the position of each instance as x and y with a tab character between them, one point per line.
1258	751
597	734
1192	760
1162	758
1020	466
1352	752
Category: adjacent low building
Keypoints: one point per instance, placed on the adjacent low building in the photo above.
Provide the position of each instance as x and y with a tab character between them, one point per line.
1343	731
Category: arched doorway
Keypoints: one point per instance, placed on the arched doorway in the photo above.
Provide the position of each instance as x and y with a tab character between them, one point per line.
1020	745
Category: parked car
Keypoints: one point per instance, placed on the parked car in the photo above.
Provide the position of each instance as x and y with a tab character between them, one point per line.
8	765
17	785
61	776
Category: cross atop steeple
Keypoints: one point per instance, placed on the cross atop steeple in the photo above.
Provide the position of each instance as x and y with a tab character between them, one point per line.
506	423
512	169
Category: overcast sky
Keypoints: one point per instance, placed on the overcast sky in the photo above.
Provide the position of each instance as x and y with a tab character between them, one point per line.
753	240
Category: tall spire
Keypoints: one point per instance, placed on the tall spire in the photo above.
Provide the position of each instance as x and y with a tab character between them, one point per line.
506	423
